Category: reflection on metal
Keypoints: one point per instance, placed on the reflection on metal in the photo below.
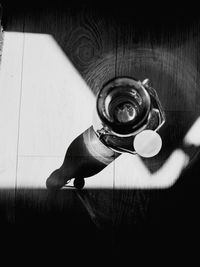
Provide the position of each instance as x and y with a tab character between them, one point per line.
96	148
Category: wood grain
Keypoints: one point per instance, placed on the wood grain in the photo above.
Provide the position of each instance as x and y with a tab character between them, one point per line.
52	96
168	57
100	46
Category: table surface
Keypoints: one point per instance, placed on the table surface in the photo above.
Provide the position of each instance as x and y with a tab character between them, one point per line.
53	64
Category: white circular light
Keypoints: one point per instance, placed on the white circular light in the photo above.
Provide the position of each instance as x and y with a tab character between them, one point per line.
147	144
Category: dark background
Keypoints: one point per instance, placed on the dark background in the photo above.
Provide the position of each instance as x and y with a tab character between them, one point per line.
133	223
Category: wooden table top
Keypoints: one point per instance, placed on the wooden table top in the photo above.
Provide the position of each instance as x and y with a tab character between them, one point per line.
100	47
